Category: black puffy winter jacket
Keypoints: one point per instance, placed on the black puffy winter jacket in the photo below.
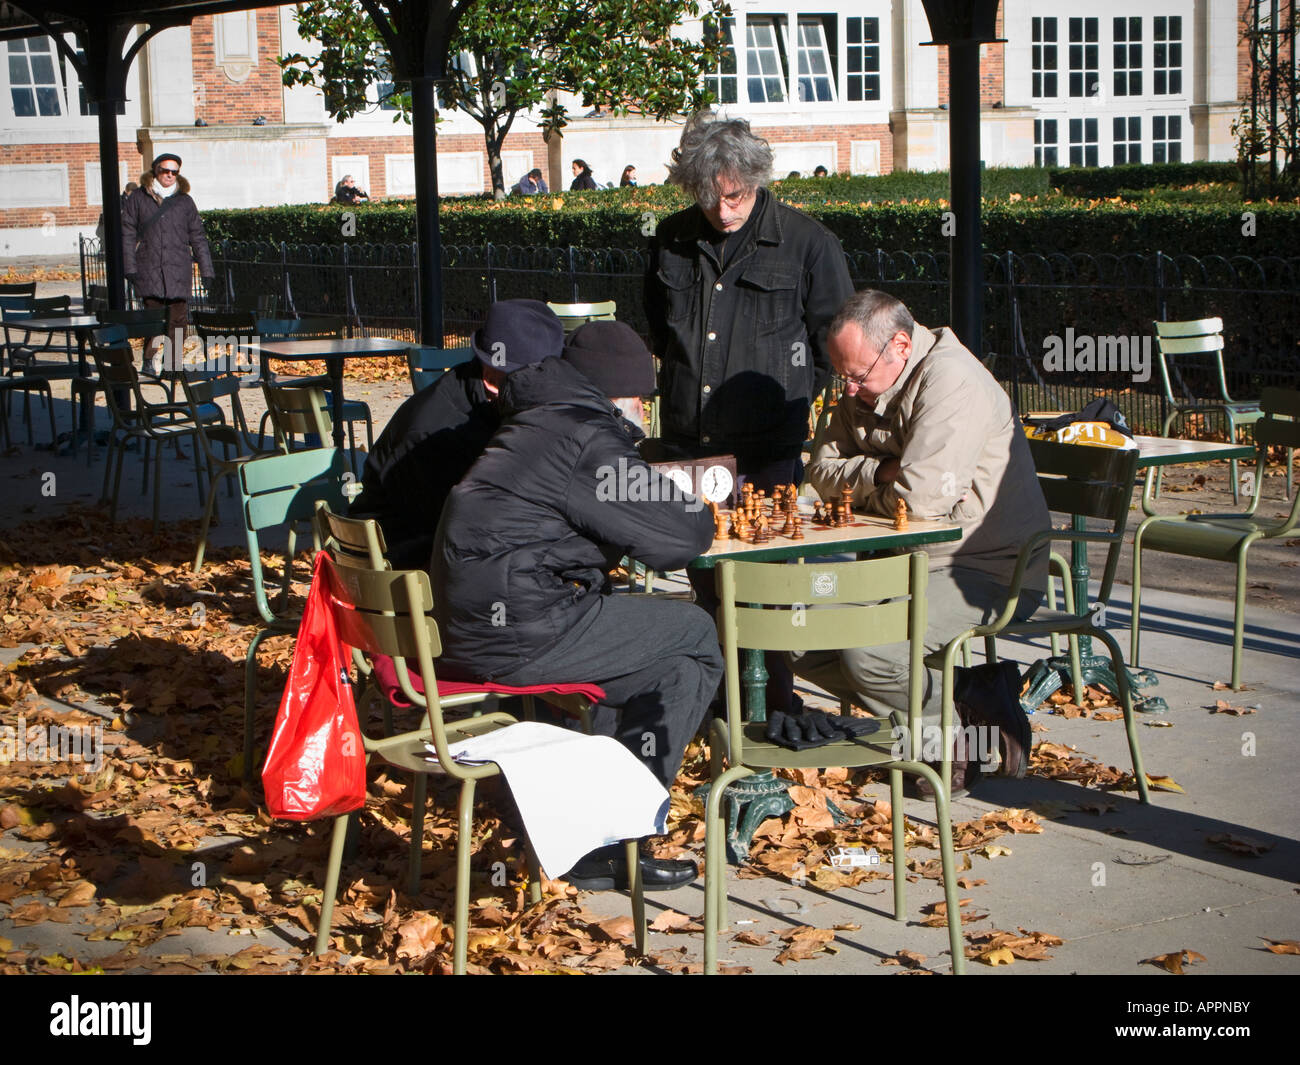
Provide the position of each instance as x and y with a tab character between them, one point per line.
528	537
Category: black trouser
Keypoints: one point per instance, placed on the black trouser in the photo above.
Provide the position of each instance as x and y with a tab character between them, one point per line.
659	663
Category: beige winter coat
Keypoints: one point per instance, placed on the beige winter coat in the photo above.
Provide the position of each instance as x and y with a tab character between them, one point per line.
962	452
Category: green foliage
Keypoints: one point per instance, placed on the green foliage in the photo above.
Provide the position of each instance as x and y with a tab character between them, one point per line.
618	54
1103	182
617	218
901	185
1191	194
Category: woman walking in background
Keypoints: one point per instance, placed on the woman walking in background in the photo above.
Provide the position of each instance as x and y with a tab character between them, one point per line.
582	178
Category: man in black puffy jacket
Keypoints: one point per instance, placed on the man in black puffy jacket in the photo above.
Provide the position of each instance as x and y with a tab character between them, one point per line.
436	435
521	565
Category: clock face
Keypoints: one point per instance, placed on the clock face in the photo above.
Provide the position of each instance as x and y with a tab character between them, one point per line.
716	484
682	480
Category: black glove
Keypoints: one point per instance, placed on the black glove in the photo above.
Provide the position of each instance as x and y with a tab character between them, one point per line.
813	728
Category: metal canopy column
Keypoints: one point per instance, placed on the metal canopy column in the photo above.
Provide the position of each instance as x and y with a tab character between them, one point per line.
963	25
417	33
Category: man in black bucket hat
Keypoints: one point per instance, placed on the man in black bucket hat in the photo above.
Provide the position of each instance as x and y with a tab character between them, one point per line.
436	435
521	563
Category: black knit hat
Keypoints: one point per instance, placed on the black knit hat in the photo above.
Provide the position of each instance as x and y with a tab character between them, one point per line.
518	333
166	155
613	358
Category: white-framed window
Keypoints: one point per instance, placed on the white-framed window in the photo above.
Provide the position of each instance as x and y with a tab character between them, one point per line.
765	59
1045	142
721	81
1127	49
1084	56
1126	139
1083	141
862	58
35	89
816	75
1166	138
1167	55
1045	59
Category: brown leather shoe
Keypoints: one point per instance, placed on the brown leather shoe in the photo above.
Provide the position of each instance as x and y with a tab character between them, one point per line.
965	771
990	696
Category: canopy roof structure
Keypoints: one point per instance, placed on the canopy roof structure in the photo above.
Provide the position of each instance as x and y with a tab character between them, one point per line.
415	31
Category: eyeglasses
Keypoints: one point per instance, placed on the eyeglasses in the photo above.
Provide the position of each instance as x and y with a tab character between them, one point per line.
735	199
165	170
858	381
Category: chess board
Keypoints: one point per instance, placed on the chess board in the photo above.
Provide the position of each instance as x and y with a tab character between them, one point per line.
865	533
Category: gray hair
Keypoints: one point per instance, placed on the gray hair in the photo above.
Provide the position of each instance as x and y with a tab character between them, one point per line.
879	315
711	148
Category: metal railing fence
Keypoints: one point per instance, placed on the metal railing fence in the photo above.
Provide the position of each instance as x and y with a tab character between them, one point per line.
1032	302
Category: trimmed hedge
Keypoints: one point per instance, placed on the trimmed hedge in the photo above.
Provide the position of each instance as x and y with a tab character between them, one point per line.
617	219
1102	182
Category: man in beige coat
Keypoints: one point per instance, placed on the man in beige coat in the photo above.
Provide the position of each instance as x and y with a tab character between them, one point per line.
921	420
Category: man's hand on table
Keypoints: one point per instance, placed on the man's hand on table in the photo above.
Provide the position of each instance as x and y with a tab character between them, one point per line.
887	471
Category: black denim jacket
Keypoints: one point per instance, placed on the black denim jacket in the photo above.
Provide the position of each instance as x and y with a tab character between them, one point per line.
743	349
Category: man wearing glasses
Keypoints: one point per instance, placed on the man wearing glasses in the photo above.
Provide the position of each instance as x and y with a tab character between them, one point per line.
923	422
162	238
738	293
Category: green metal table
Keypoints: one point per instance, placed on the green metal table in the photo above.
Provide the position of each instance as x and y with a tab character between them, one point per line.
754	799
1048	675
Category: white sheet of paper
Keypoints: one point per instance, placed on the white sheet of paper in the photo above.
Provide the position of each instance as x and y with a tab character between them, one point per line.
575	792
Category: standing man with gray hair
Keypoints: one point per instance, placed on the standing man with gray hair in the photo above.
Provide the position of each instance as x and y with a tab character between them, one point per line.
739	292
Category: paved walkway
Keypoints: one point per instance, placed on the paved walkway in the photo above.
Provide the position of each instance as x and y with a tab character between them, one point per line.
1210	868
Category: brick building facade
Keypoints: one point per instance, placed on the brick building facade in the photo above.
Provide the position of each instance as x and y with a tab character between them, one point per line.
845	84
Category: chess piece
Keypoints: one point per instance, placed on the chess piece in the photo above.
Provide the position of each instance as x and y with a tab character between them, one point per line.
846	497
719	522
818	517
900	515
797	534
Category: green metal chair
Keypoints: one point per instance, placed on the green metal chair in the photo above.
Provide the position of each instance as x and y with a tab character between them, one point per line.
359	543
26	385
1226	537
573	315
25	354
226	445
1202	340
426	365
298	410
148	324
274	491
1083	482
136	418
389	612
25	372
765	607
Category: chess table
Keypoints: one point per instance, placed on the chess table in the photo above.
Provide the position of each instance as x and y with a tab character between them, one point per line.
749	802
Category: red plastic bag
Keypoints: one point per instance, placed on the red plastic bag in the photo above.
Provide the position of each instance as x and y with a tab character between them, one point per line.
316	764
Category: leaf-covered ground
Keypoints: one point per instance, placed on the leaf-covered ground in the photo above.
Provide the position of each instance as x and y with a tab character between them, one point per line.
107	626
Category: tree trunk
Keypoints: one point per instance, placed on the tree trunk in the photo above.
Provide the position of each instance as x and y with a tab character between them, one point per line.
495	139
